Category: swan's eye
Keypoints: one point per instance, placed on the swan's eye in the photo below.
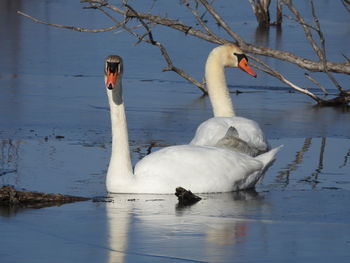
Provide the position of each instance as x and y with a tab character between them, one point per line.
240	56
113	67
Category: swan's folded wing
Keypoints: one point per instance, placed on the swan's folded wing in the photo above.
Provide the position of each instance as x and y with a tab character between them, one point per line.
214	129
200	169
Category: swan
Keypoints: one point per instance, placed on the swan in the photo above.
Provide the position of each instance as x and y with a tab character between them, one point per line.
203	169
215	131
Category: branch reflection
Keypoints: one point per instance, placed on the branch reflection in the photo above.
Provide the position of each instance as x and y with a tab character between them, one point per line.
283	176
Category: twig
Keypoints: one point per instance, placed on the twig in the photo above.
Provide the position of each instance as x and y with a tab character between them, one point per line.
170	66
316	83
177	25
323	48
200	20
279	15
305	26
346	4
223	24
148	20
312	66
320	51
267	69
346	58
79	29
300	22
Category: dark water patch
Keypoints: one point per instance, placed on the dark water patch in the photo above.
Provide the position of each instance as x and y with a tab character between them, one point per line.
155	200
99	107
161	81
331	188
7	171
259	88
102	199
90	144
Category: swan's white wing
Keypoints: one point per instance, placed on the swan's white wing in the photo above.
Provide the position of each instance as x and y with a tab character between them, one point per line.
214	129
200	169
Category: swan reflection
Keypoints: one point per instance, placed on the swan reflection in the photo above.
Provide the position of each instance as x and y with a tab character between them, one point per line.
153	226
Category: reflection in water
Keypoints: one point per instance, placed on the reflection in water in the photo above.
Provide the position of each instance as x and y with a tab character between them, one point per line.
283	176
262	36
6	211
9	150
118	218
140	224
313	179
346	157
317	156
224	227
278	38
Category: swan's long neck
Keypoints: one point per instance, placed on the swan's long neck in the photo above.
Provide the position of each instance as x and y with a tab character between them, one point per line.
120	167
217	88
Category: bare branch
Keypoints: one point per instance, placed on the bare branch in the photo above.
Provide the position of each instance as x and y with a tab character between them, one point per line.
177	25
165	54
148	31
223	24
316	83
346	58
202	30
200	20
305	26
261	11
300	22
346	4
279	15
304	63
320	51
79	29
267	69
180	71
323	48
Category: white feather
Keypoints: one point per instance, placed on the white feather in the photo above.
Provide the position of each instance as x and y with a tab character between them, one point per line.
202	169
214	129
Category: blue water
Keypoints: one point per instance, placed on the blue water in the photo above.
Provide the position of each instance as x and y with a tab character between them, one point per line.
55	137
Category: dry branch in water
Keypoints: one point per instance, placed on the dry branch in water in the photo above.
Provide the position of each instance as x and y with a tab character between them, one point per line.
143	32
261	11
346	4
12	197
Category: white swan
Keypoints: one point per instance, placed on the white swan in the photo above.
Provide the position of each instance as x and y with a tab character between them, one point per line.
198	168
210	132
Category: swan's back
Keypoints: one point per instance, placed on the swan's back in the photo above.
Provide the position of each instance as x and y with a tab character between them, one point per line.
214	129
200	169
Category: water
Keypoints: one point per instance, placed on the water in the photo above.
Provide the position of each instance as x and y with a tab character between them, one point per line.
55	137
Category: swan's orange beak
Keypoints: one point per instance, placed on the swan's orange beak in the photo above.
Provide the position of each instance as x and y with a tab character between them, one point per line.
111	79
243	65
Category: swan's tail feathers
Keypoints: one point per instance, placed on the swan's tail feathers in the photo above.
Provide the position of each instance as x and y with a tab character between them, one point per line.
268	158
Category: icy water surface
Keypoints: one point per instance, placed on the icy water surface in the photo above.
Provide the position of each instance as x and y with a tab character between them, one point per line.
299	209
55	137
